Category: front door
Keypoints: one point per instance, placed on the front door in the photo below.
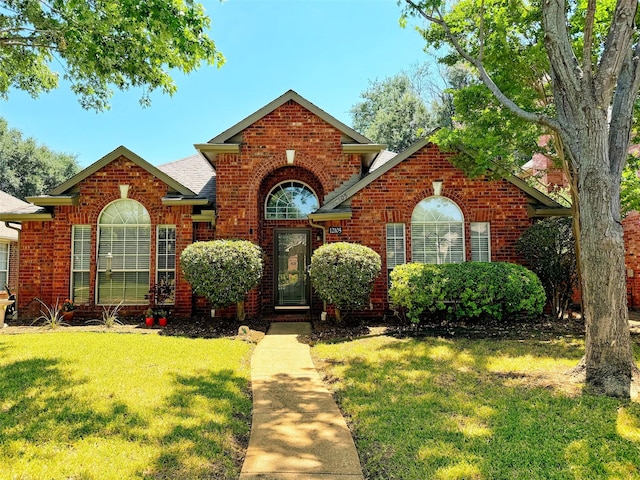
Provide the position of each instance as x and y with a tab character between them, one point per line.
292	253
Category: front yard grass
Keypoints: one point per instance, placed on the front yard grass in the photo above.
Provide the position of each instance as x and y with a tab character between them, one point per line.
478	409
109	406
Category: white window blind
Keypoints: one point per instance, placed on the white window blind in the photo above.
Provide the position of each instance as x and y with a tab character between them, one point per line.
480	242
80	263
396	248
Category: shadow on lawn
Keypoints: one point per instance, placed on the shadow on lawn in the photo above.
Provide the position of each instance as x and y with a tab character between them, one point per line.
212	447
37	407
439	408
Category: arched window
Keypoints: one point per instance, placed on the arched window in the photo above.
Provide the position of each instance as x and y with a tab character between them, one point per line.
124	248
290	200
437	231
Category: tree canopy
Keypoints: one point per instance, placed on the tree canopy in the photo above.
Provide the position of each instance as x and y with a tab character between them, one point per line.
392	112
97	45
27	168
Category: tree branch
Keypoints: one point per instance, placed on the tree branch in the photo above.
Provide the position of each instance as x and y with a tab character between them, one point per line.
484	76
587	47
565	70
622	111
616	48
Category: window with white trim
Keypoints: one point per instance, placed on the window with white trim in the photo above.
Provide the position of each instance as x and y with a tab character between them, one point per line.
480	242
80	263
396	247
290	200
124	241
437	231
166	257
4	264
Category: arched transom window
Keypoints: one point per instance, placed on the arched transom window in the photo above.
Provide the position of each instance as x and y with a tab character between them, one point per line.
437	231
290	200
124	248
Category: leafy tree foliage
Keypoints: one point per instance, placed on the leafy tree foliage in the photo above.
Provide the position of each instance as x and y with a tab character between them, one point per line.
549	249
223	271
392	112
343	274
99	44
27	168
501	291
572	69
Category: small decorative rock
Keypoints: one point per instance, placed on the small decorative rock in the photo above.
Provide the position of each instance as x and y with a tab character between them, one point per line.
243	331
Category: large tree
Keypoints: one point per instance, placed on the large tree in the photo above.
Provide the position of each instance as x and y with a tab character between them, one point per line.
393	112
28	168
99	44
585	83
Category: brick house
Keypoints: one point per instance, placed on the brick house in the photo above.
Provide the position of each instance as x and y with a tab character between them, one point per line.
288	177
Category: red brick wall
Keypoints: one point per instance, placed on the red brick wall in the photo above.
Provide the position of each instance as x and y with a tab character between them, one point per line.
393	197
14	264
631	227
240	178
45	269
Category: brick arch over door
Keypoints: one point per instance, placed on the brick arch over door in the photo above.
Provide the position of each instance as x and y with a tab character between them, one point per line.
267	228
302	164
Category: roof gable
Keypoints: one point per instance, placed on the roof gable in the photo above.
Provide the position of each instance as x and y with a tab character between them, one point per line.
388	164
121	151
349	134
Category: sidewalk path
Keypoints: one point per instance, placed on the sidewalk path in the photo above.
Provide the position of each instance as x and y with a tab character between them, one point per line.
297	430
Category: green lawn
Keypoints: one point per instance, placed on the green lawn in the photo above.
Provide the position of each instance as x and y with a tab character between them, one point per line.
109	406
467	409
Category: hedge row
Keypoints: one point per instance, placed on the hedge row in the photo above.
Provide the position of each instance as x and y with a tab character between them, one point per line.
466	290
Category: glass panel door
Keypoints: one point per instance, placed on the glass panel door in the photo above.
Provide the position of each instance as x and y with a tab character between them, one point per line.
291	261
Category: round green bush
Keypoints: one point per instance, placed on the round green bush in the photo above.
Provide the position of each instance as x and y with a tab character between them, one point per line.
467	290
223	271
343	274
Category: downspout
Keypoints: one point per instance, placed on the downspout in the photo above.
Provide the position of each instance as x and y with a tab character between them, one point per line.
323	315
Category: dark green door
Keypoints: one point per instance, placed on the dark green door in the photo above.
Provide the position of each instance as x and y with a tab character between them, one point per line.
292	252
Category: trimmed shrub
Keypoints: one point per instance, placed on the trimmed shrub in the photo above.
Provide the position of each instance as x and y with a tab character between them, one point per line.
223	271
549	250
466	290
343	274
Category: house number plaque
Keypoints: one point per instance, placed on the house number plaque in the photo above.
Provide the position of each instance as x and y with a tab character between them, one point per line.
336	230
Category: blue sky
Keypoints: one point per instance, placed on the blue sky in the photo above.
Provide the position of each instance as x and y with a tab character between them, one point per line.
326	50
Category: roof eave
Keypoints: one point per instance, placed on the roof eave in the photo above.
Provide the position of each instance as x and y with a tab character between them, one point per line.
172	201
55	200
26	217
211	150
326	216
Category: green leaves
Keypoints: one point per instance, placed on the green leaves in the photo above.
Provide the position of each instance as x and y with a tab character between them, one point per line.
103	44
343	274
222	270
29	169
466	290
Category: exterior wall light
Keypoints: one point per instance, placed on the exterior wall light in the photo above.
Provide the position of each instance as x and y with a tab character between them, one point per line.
109	262
291	155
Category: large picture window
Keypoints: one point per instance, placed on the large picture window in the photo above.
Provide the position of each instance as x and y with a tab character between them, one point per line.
437	231
124	239
290	200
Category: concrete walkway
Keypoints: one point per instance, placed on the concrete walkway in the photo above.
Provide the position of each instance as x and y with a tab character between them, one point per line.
297	430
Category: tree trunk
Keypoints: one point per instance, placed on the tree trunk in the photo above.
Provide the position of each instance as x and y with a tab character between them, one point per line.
608	356
240	311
